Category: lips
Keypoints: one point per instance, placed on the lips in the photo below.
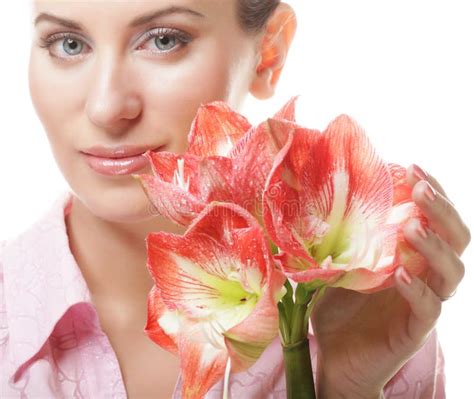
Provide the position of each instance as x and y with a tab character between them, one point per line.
118	152
122	160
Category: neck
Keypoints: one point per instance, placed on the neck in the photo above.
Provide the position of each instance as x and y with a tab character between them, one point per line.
112	256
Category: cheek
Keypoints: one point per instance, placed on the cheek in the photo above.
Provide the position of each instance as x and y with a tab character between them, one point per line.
176	92
52	95
42	82
120	198
54	111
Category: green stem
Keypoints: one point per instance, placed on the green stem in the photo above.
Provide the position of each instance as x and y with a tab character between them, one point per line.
294	326
283	320
316	297
287	300
297	323
298	371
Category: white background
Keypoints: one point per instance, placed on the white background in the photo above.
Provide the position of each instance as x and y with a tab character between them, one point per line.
403	69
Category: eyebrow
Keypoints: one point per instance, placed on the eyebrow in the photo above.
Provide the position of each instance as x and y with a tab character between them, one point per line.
141	20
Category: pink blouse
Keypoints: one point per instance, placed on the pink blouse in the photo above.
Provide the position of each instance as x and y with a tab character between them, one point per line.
52	344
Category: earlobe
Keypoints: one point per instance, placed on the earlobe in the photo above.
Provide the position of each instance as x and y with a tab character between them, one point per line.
262	87
277	39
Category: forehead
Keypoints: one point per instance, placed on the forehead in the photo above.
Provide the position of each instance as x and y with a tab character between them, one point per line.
133	11
129	3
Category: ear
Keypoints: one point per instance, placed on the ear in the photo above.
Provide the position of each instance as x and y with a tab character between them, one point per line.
274	47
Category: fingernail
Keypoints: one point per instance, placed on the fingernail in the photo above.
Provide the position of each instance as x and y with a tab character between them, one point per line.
421	230
420	173
404	275
429	192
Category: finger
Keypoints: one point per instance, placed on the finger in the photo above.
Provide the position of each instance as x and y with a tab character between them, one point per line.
425	306
446	270
442	216
415	173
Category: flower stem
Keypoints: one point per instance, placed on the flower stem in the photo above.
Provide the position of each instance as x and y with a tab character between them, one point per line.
298	370
283	320
295	344
298	332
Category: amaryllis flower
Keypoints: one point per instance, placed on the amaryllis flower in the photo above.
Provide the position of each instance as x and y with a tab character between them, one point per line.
227	160
337	211
215	295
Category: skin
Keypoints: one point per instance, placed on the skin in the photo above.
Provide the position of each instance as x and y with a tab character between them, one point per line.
121	91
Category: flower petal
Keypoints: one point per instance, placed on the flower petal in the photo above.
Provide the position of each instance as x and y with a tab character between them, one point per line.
359	181
169	200
215	129
282	208
202	363
303	271
401	189
162	325
282	204
191	273
215	179
365	280
183	185
253	159
218	219
180	170
369	281
288	110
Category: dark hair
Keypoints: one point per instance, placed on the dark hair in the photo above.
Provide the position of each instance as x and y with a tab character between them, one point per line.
254	14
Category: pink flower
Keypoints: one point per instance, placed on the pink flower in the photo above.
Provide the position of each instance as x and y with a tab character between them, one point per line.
215	295
337	211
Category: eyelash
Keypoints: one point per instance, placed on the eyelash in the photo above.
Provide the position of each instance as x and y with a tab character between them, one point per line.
182	37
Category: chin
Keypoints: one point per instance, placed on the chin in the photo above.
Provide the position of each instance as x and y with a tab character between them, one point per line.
118	204
128	216
125	212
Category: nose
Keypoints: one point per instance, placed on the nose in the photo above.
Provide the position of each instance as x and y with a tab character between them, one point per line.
112	102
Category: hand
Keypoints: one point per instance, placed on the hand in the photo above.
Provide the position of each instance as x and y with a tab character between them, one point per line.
364	339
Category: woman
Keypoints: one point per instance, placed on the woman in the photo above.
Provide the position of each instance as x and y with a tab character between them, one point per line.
134	83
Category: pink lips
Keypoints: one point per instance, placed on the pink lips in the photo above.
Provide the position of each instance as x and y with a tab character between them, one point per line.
122	160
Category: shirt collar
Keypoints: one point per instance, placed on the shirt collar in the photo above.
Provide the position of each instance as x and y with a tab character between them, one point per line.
41	281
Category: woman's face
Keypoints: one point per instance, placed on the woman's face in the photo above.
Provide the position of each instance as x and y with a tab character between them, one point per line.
108	79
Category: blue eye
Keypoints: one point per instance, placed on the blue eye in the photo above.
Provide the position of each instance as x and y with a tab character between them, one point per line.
70	44
166	40
73	45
